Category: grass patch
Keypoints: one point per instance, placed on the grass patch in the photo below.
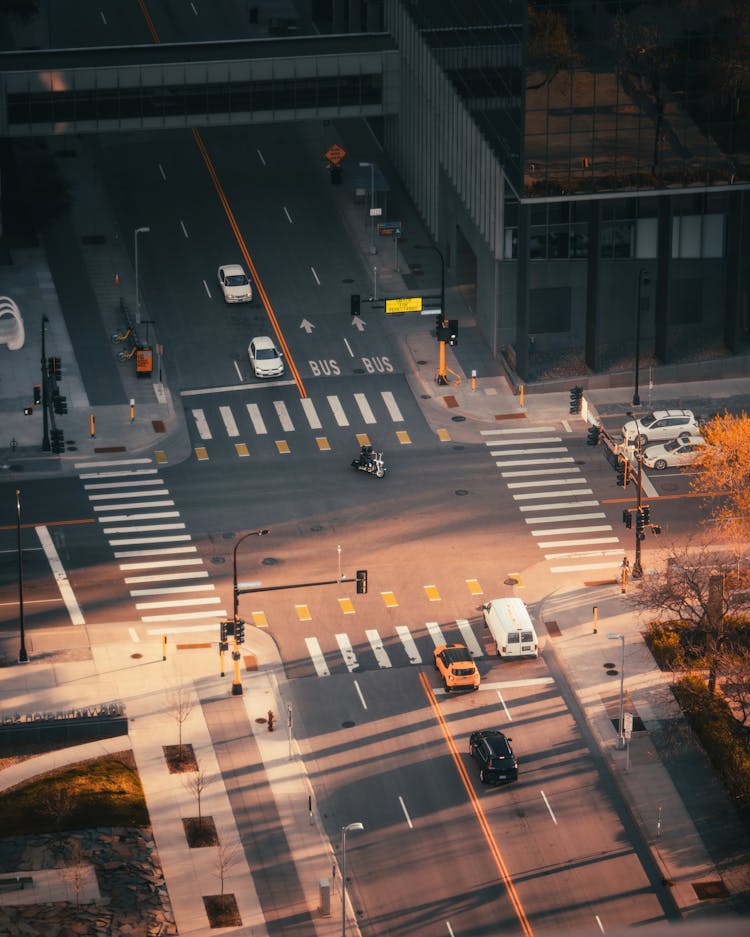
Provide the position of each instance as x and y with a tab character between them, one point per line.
104	792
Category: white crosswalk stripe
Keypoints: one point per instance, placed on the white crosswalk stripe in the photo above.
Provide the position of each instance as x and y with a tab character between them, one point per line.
391	406
531	462
364	408
411	648
317	657
311	413
229	421
253	411
347	652
201	424
337	410
283	414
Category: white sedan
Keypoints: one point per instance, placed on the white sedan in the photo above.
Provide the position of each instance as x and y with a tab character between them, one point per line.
235	284
265	358
681	451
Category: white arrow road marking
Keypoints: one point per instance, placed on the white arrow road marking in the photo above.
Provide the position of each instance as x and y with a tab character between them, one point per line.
358	323
307	326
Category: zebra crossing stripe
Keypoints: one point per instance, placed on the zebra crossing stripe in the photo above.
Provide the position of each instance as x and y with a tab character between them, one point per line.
141	529
214	614
536	440
179	603
173	538
391	406
172	590
560	531
138	483
283	414
316	655
311	413
469	637
253	411
347	652
151	516
381	655
516	430
134	505
201	424
411	648
124	474
168	577
433	629
229	421
337	410
364	408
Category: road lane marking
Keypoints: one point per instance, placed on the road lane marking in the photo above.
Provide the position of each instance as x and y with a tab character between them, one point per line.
390	599
303	612
140	529
184	229
308	408
178	603
229	388
316	655
433	629
286	212
364	408
323	444
359	693
432	593
241	449
167	577
283	414
502	703
161	456
565	517
346	606
391	406
403	437
172	590
443	435
411	648
549	494
551	813
282	447
347	652
124	474
477	807
61	577
475	649
376	643
338	411
517	429
201	424
259	619
134	636
229	421
201	453
363	439
474	587
406	812
253	411
315	275
561	531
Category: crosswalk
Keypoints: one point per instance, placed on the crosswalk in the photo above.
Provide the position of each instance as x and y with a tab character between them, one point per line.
402	648
157	558
249	423
554	498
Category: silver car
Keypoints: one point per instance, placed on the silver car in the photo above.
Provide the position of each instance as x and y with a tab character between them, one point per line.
661	424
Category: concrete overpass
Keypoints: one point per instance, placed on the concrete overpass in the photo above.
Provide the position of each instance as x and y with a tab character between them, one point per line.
150	87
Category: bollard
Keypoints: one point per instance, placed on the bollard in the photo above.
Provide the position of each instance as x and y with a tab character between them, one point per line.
325	897
132	410
163	647
92	426
596	618
473	379
271	720
521	390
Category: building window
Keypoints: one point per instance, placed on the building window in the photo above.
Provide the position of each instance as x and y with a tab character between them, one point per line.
698	236
618	240
554	234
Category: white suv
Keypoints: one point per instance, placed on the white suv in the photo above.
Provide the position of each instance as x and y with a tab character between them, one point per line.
661	424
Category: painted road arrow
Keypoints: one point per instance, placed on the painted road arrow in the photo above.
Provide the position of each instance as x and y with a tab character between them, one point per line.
307	326
358	323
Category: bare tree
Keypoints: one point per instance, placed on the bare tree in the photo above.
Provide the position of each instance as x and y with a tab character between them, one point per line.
226	858
735	670
181	704
700	589
74	872
195	784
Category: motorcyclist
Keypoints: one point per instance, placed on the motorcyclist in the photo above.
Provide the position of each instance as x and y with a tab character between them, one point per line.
365	455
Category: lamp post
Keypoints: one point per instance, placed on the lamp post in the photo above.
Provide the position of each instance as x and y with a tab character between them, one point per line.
637	571
621	727
373	249
45	390
441	375
23	657
349	828
137	282
643	280
236	683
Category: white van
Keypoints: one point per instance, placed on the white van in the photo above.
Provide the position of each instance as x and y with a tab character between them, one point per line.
511	628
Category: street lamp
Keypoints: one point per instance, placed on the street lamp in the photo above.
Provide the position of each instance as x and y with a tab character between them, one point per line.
349	828
236	684
23	657
373	249
643	280
637	572
137	285
621	726
441	375
45	390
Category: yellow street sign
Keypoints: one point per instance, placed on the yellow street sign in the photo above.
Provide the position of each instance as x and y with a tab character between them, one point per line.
407	304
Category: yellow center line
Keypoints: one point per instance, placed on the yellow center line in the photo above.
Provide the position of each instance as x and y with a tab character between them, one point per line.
480	815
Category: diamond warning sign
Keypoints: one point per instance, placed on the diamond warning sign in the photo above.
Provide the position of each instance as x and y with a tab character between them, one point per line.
335	154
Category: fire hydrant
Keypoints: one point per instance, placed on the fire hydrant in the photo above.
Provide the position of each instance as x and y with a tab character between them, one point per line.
271	720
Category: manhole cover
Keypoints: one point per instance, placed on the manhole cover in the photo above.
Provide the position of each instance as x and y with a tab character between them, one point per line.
510	581
269	561
218	560
348	280
72	448
461	492
426	396
136	656
261	720
458	419
706	890
609	665
612	672
349	724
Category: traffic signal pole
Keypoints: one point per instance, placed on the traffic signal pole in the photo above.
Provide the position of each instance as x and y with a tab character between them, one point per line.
637	571
45	391
442	377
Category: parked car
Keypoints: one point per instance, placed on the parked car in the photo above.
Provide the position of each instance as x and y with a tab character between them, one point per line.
681	451
456	666
661	424
235	284
490	748
265	358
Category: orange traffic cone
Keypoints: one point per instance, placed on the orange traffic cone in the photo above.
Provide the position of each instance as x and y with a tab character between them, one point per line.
117	279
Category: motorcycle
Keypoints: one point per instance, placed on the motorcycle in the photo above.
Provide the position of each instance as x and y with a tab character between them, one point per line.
370	461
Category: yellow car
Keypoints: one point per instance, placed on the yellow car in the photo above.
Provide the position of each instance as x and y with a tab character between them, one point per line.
457	668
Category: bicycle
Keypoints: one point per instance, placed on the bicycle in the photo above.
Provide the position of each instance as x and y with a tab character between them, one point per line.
118	337
126	355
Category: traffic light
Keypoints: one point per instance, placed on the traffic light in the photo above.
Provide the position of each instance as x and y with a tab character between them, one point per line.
646	510
442	332
623	467
656	528
57	440
37	394
354	304
453	331
361	582
576	399
60	403
54	368
627	519
594	433
227	628
239	631
639	521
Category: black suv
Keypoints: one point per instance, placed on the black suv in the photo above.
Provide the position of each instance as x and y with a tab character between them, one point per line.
495	756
